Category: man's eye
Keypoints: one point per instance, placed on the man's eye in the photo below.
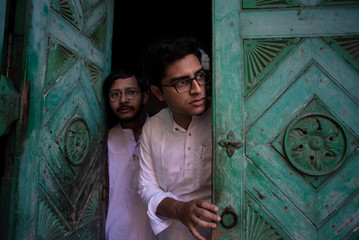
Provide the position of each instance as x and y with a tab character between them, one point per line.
130	92
182	83
115	94
200	75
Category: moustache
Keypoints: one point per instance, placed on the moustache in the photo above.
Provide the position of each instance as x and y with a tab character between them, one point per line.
120	108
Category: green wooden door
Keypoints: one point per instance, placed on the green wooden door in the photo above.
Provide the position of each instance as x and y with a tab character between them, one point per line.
286	118
59	184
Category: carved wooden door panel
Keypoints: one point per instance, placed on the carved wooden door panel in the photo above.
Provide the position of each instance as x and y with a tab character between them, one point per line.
69	46
286	126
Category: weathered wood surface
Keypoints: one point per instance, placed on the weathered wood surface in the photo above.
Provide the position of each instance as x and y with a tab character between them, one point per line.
286	84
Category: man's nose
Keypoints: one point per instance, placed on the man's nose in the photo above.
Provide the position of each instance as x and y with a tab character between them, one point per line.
196	88
123	98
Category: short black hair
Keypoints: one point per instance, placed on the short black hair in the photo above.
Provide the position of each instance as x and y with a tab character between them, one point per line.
163	53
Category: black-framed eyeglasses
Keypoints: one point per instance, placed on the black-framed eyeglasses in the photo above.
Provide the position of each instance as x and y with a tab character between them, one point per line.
185	85
117	94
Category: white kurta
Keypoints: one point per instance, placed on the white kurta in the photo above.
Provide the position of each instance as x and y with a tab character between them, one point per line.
175	163
126	217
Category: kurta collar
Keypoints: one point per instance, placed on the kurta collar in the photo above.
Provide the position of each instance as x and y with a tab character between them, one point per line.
194	121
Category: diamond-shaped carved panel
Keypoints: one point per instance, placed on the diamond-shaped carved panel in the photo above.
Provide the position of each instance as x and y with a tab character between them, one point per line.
263	139
71	135
71	149
328	134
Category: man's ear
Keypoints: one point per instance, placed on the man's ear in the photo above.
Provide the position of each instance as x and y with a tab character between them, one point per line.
157	92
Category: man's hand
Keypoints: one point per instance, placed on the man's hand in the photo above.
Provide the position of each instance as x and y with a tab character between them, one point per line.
190	213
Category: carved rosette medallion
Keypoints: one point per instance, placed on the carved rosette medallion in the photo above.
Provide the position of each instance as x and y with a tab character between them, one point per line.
77	141
315	144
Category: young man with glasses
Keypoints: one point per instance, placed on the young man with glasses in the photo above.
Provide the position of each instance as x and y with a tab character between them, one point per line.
125	95
176	146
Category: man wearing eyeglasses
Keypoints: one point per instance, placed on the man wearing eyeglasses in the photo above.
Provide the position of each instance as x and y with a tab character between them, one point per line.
176	146
125	95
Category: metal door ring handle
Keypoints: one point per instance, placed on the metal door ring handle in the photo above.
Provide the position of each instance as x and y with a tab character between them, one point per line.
229	211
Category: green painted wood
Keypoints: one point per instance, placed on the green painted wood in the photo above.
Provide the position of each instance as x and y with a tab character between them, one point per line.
59	184
225	63
2	25
298	22
13	65
9	104
286	85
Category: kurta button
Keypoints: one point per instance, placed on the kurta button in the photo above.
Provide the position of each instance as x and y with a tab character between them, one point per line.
189	134
189	148
188	164
176	129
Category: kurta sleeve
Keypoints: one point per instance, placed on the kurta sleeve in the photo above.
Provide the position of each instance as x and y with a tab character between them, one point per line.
149	188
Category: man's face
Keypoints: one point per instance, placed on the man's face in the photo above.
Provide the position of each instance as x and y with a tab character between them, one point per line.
185	105
127	109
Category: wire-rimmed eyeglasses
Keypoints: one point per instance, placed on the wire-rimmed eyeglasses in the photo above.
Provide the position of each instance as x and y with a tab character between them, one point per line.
117	94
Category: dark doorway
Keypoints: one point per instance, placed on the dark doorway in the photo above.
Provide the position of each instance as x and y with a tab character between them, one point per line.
138	23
